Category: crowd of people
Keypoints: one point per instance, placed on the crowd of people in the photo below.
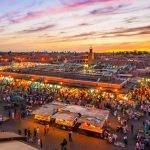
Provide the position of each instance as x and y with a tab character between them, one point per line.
19	92
36	94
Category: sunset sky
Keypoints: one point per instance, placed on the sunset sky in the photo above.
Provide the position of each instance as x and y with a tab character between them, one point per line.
107	25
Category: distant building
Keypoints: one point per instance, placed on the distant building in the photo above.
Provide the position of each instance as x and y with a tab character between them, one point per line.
85	58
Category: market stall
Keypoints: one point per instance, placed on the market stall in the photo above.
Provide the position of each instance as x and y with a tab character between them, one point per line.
91	120
46	112
65	119
88	111
91	125
42	114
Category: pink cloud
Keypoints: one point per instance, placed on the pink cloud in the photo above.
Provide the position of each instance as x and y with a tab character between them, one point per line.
38	29
36	14
1	30
81	3
67	6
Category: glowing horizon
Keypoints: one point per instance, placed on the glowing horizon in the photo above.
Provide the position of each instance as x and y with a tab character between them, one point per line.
107	25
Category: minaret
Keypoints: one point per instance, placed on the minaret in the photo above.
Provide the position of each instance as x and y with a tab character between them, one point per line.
91	56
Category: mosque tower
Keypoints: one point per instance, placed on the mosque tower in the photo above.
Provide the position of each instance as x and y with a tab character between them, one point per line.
90	56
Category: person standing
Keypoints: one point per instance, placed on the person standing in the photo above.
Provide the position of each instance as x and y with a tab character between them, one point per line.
19	132
38	131
142	146
34	133
13	115
115	137
45	132
149	111
41	143
47	128
1	119
137	146
29	134
25	132
70	136
125	138
9	113
64	144
132	128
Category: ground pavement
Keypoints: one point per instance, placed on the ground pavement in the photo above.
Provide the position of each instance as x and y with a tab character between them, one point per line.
54	138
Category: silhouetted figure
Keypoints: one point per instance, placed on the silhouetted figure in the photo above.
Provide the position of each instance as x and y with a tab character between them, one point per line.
34	132
132	128
25	132
70	137
19	132
41	143
64	144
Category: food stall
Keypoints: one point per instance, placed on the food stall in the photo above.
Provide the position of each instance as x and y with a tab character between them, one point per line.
45	113
87	111
91	120
65	120
91	125
78	118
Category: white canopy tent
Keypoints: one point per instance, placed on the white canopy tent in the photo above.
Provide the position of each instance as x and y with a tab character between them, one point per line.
45	112
65	118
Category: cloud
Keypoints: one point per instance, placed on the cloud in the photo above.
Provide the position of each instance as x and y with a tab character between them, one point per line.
28	16
8	15
79	3
38	29
78	21
67	6
131	20
83	35
106	10
17	14
83	24
128	31
120	7
116	33
145	30
1	30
